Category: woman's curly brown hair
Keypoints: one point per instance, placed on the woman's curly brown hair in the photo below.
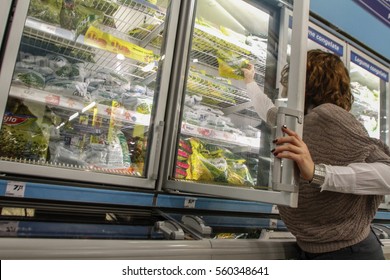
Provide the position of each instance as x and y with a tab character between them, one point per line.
327	80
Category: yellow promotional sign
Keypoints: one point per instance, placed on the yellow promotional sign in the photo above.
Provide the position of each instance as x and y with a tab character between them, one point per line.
102	40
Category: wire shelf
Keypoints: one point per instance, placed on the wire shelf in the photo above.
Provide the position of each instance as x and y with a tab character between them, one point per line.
209	45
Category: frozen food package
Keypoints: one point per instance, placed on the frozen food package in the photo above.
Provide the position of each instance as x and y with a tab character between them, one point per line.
203	167
230	65
213	163
96	154
118	152
107	7
191	100
74	72
23	134
125	149
29	78
46	10
239	174
138	104
180	173
106	77
74	15
36	63
64	155
137	145
68	88
57	61
105	95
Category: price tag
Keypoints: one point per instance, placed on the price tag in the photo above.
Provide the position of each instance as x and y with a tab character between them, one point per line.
15	189
9	228
189	202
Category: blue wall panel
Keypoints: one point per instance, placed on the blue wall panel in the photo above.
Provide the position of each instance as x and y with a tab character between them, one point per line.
356	21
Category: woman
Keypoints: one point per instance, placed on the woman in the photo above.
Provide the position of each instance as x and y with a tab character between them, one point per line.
344	173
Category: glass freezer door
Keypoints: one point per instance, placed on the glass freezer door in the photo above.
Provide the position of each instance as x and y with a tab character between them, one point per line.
84	89
369	82
223	147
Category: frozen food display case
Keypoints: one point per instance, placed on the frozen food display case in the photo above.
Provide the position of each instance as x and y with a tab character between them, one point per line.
370	87
222	146
83	89
121	93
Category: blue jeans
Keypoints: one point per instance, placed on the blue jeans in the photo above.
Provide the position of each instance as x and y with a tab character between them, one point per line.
367	249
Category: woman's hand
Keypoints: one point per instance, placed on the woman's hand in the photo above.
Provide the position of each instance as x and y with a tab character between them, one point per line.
292	147
249	73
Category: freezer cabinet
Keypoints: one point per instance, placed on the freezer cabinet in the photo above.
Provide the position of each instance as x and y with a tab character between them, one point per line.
370	88
108	231
82	89
221	145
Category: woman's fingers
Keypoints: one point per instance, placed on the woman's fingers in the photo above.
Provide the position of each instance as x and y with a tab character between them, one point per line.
292	147
288	139
290	132
287	148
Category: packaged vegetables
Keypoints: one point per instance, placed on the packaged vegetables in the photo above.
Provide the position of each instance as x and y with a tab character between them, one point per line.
23	134
56	74
87	144
230	65
203	162
30	78
182	168
84	141
46	10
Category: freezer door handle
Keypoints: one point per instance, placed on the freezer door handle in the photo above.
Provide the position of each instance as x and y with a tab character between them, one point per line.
156	163
278	184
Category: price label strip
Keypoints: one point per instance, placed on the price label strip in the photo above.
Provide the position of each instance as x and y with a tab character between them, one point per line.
9	228
15	189
189	202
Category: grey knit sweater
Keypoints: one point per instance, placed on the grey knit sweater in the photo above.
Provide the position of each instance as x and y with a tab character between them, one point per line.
327	221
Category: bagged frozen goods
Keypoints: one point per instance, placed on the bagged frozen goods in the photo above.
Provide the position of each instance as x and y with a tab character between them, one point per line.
30	78
24	135
230	65
46	10
203	162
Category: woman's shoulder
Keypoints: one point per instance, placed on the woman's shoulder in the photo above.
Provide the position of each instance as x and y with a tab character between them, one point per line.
330	109
332	116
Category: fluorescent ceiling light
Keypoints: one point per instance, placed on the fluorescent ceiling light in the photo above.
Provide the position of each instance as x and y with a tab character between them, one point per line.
89	106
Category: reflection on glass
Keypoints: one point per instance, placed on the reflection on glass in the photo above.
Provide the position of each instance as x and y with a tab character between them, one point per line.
82	93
